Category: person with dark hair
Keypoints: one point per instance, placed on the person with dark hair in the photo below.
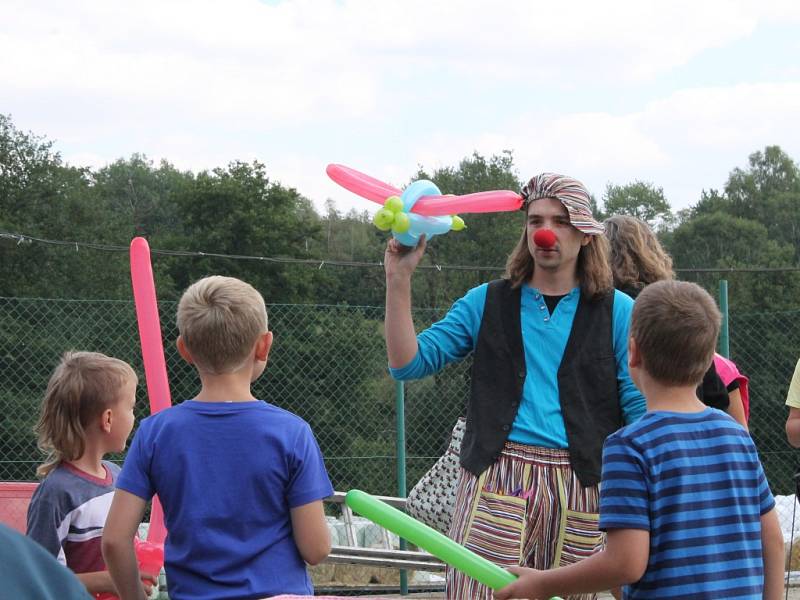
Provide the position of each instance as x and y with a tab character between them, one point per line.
549	383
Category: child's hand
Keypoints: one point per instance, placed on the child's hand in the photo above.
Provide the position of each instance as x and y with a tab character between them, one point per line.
527	586
149	584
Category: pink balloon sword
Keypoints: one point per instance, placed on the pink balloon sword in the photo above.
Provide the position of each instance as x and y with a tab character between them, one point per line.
155	366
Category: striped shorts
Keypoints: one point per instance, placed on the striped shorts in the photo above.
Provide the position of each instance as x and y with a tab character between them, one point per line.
527	509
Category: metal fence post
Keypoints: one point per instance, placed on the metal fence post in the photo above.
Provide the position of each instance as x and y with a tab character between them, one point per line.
724	339
400	411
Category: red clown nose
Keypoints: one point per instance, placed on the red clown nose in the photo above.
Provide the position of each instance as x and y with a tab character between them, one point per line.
544	238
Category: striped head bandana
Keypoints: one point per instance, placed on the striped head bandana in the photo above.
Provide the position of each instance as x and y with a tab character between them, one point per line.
570	192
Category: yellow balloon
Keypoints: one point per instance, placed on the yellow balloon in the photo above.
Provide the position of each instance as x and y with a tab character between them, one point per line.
458	223
383	219
401	222
394	204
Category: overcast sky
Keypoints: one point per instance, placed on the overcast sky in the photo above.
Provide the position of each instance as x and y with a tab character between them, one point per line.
676	93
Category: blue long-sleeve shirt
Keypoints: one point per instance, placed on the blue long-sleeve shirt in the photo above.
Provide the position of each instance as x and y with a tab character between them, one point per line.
539	421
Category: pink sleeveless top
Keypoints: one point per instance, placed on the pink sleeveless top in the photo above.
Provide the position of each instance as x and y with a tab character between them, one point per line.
727	371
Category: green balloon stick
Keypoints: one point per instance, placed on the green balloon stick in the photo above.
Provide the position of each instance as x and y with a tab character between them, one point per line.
441	546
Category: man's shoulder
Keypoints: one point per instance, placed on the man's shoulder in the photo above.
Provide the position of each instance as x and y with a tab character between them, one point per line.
479	292
621	300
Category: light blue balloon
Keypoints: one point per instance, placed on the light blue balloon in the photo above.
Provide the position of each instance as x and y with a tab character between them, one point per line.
406	239
417	190
430	226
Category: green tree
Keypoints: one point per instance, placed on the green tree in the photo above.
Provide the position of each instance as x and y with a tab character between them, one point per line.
722	241
768	192
350	238
640	199
486	242
238	211
43	198
142	196
771	173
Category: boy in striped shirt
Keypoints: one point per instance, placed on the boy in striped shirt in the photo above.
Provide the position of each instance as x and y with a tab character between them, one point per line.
684	500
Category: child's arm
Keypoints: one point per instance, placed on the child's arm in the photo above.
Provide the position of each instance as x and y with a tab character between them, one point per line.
623	561
97	582
121	526
773	551
311	532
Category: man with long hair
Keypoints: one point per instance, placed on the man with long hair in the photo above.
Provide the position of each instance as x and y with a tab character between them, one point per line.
549	383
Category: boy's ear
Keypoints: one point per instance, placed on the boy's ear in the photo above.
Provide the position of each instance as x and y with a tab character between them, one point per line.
634	357
105	420
263	346
184	351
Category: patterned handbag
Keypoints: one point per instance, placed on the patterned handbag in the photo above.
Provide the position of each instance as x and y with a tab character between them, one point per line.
433	499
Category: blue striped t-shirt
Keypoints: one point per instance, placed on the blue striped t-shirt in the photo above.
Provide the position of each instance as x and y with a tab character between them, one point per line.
694	481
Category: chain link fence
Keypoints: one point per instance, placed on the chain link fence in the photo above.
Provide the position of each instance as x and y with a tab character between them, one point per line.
328	365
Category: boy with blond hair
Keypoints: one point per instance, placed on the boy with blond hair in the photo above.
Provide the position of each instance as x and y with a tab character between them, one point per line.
684	501
86	413
241	481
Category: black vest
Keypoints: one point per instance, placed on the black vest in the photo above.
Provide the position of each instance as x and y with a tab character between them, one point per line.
587	382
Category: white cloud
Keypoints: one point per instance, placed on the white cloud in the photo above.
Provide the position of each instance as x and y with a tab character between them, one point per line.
299	84
685	142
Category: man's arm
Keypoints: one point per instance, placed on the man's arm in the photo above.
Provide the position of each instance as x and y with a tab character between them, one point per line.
623	561
773	552
121	526
311	532
401	339
630	398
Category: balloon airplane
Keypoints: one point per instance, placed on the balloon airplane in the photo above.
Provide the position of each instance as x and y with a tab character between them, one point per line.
421	207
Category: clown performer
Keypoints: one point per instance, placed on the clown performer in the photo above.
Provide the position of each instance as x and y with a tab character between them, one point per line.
549	383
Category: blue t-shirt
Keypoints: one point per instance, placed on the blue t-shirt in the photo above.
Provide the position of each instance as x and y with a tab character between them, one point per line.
694	481
539	421
227	474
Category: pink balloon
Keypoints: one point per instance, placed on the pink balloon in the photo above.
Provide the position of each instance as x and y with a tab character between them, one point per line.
361	184
155	366
479	202
427	206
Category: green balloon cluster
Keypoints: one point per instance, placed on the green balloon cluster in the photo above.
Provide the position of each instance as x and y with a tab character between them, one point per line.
391	216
